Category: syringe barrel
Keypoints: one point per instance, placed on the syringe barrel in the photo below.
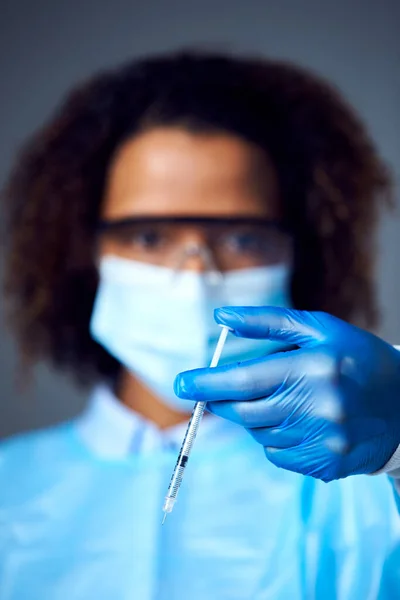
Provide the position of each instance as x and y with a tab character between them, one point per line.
190	434
193	427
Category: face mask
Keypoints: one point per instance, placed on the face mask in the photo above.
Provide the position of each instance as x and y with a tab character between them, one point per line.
158	322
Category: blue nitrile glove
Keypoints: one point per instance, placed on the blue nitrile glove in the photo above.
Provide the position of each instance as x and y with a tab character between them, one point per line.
329	409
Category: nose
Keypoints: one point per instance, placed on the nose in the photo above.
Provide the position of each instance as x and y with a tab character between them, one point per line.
197	257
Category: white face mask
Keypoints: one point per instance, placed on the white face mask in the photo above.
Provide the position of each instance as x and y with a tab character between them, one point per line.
158	322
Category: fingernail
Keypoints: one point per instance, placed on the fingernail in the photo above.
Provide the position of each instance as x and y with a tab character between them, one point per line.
181	388
227	316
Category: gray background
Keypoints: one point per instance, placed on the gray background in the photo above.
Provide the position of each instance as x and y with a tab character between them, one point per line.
47	45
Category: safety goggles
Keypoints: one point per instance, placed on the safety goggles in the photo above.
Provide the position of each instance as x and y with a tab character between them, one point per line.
223	244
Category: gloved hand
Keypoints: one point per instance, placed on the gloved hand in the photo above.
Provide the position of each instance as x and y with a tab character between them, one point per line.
329	409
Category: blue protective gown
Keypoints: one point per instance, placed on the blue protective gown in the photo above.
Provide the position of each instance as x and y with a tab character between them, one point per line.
79	522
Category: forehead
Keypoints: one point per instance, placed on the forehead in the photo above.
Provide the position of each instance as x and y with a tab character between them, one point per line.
169	172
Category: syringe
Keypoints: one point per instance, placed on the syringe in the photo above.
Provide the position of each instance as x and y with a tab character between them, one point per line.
190	435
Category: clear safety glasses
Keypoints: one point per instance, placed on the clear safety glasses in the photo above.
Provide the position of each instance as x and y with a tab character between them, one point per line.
223	244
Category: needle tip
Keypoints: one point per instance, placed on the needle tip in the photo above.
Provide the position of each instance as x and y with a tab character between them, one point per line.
164	517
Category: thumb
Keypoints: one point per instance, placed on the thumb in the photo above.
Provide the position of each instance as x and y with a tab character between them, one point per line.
298	327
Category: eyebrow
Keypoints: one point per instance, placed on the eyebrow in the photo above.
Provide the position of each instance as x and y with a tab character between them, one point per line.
105	224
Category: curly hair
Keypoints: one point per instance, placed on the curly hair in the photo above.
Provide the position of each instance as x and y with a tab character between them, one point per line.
332	185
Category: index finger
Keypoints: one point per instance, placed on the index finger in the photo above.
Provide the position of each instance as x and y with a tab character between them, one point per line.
240	381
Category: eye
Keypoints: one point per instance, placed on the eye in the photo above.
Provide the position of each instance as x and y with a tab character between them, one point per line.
148	239
245	242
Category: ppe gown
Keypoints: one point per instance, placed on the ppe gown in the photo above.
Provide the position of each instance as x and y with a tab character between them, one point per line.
80	519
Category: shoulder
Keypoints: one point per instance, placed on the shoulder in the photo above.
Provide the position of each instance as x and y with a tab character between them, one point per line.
32	445
30	458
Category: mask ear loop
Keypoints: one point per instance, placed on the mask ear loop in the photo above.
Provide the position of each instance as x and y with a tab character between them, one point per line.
214	275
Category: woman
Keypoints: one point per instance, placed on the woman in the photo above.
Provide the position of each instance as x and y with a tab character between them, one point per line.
158	192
